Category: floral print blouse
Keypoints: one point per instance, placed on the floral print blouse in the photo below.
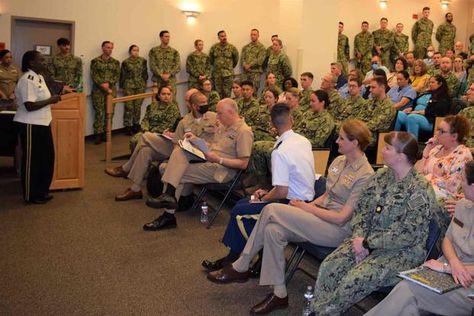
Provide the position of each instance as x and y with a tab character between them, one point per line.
444	173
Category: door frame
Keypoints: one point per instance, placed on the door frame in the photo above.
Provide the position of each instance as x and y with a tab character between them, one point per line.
16	18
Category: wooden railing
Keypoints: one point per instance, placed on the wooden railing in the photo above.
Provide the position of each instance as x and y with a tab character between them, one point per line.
109	113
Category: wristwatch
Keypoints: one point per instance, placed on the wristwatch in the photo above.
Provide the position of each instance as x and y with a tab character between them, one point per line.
445	267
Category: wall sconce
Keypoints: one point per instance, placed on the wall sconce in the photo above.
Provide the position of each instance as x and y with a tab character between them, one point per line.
383	3
444	4
191	16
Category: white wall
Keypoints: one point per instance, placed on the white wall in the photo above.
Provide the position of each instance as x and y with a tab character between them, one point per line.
308	28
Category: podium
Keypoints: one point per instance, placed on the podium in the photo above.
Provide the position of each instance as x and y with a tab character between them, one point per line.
67	127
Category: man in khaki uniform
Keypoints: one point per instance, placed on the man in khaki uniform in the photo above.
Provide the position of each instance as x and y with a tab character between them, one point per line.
230	150
152	146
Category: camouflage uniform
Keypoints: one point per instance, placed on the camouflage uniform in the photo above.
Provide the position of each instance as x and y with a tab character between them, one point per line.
433	70
445	35
102	71
223	59
245	106
133	77
378	115
352	109
197	64
212	99
336	104
393	218
258	118
343	52
468	112
254	55
262	96
421	36
385	39
164	60
400	45
316	127
453	83
279	65
363	44
66	68
158	117
305	99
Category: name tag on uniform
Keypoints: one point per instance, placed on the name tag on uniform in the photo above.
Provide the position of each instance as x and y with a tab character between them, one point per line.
416	201
231	135
458	222
348	179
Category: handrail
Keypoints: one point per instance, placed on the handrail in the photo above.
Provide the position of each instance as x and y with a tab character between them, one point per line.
109	113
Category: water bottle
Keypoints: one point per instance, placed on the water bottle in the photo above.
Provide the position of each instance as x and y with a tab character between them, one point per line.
204	213
308	301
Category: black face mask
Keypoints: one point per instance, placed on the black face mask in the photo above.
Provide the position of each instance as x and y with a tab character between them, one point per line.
203	108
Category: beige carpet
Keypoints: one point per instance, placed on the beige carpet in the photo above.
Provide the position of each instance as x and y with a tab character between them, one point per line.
85	254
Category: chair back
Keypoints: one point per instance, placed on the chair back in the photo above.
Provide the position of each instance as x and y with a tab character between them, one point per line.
432	252
380	145
321	159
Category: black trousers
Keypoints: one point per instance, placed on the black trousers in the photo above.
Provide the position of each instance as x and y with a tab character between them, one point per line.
37	161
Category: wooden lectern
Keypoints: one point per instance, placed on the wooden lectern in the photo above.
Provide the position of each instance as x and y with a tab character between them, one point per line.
68	135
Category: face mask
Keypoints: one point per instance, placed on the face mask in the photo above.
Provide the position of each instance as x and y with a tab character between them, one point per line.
375	66
203	108
430	54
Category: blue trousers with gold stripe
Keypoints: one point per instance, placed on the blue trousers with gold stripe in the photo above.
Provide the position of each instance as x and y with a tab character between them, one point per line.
37	161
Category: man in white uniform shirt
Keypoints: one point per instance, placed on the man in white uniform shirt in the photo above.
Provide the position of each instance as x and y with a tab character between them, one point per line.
293	177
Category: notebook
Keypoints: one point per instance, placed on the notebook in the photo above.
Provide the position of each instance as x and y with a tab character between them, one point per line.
197	154
433	280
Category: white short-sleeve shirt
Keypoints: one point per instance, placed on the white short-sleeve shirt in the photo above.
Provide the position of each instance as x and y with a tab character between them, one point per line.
293	166
32	88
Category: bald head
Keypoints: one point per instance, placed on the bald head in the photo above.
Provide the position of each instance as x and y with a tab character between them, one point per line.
227	111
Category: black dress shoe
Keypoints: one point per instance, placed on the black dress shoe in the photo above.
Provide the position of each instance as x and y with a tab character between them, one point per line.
185	202
37	201
215	265
48	197
165	221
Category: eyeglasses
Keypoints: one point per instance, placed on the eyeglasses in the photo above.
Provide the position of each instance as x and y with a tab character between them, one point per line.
441	131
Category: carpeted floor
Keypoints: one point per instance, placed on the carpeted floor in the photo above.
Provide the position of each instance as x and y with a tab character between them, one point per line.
85	254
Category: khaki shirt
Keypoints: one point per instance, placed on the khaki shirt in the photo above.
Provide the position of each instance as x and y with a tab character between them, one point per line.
203	128
461	231
9	76
234	141
345	181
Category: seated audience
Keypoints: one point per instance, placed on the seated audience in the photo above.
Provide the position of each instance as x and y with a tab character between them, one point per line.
445	155
461	74
211	95
419	78
402	94
229	151
409	298
336	70
438	103
324	221
356	74
399	66
446	70
154	147
389	231
306	80
159	115
236	90
376	64
270	83
430	51
258	117
292	179
287	84
354	104
468	112
247	102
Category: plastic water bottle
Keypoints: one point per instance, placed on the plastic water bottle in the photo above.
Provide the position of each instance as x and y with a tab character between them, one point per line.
308	301
204	213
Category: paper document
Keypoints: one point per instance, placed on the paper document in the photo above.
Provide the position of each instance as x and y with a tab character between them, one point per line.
433	280
187	146
199	143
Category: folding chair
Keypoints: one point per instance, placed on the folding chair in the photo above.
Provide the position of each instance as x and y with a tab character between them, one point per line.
235	183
